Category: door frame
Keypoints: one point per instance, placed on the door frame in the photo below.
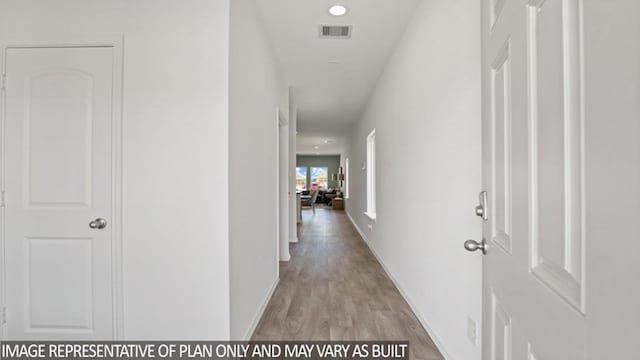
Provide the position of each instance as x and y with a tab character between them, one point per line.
116	43
277	202
281	122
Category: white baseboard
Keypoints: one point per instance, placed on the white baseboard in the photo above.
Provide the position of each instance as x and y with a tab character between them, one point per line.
432	334
263	307
362	235
293	239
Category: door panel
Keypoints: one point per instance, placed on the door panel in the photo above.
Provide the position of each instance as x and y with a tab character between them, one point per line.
52	264
500	331
59	113
501	147
556	146
55	100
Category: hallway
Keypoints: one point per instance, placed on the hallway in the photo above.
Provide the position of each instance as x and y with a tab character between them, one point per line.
334	289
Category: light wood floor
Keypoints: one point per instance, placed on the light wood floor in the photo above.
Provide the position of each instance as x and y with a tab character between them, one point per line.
334	289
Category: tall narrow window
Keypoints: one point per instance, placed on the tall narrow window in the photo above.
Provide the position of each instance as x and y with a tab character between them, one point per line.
346	178
301	178
371	175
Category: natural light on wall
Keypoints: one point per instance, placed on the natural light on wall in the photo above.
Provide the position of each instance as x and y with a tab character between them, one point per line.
371	175
346	178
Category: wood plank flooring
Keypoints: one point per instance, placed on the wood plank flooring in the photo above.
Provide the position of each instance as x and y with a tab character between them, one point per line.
333	288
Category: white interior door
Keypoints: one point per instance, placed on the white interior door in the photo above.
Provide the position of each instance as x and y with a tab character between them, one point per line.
58	181
547	135
532	140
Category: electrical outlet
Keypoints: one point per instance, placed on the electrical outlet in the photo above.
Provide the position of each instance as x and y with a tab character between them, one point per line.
472	331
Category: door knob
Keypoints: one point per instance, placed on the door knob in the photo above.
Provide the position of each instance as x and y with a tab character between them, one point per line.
472	245
98	223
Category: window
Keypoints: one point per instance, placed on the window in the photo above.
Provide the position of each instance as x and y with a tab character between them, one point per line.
319	178
346	178
371	175
301	178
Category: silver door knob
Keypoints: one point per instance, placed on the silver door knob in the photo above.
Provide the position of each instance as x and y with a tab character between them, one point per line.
98	223
472	245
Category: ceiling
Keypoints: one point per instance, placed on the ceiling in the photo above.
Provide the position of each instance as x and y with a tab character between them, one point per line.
332	78
320	143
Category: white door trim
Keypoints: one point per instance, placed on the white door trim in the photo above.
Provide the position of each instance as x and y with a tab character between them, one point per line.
115	42
283	246
277	202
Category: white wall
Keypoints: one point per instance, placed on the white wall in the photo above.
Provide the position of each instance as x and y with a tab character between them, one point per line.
255	92
426	109
612	168
175	126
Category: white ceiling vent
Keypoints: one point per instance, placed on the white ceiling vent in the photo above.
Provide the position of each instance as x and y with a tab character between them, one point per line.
335	31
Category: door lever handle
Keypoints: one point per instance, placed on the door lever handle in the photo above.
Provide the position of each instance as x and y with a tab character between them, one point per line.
98	223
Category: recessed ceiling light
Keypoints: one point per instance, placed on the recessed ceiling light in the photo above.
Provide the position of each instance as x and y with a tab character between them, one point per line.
316	147
337	10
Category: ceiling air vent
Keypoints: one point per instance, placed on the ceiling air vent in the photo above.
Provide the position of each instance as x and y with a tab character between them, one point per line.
335	31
